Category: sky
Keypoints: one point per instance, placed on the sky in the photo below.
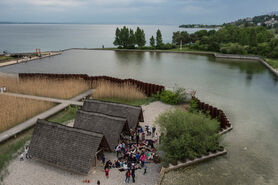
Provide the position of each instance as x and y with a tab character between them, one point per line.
170	12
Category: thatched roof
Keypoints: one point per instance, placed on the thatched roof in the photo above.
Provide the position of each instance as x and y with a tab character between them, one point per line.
110	126
67	147
133	114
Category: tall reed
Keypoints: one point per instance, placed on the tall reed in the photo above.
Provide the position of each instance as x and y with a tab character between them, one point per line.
14	110
124	91
55	88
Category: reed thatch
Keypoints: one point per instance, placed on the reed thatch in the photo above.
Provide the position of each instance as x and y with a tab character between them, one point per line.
133	114
110	126
67	147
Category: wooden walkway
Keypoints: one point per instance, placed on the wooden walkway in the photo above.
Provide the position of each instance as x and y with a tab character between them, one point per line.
29	123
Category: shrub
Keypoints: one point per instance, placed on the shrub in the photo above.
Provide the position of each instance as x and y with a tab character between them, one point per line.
233	48
187	135
193	106
178	96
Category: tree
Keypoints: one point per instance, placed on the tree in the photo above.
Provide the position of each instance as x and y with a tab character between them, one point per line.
180	36
117	37
140	37
159	41
131	39
152	41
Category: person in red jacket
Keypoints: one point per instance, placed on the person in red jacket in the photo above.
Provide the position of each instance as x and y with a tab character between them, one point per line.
106	172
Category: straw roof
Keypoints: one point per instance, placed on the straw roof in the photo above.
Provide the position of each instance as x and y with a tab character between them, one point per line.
133	114
110	126
67	147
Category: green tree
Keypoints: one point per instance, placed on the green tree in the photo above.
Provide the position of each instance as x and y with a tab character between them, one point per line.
159	41
180	36
152	41
117	37
131	39
140	37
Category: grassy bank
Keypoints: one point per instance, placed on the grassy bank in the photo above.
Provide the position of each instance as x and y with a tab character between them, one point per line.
64	116
272	62
6	58
130	102
11	148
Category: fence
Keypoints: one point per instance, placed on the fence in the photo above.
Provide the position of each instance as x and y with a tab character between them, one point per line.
147	88
214	113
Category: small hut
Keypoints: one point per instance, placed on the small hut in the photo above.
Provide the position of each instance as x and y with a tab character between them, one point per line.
110	126
133	114
67	147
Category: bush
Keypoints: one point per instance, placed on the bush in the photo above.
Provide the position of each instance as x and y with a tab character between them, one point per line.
187	135
178	96
193	106
233	48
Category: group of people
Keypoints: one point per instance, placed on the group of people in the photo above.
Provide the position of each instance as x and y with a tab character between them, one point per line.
132	154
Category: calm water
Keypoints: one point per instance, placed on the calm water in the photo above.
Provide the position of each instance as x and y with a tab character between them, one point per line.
246	91
49	37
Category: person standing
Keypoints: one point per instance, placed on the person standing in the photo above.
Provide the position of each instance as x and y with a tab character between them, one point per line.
106	172
143	159
145	169
98	182
127	176
137	139
153	131
103	159
133	174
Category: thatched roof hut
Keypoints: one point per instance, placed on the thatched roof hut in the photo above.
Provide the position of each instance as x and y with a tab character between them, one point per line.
67	147
110	126
133	114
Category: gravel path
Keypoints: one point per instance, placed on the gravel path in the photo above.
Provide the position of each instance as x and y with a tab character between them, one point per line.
34	172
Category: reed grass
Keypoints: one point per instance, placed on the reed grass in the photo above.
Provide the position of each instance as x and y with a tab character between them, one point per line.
54	88
125	91
14	110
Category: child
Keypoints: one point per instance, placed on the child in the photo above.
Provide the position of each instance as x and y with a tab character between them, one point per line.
145	169
127	176
107	173
21	157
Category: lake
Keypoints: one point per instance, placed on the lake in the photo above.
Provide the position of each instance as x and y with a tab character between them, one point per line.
246	91
49	37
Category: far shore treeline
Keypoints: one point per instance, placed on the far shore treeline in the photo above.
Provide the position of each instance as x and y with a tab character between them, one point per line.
231	39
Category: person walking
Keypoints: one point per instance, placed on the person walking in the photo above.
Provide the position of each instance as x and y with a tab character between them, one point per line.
127	176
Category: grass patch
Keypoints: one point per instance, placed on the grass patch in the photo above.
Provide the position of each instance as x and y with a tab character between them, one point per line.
14	110
272	62
130	102
64	116
11	148
55	88
6	58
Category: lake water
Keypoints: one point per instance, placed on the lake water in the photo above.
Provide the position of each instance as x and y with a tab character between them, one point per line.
246	91
49	37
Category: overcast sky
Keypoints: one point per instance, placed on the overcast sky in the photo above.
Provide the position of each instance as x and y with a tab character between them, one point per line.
173	12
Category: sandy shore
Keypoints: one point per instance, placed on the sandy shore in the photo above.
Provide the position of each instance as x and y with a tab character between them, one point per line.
34	172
